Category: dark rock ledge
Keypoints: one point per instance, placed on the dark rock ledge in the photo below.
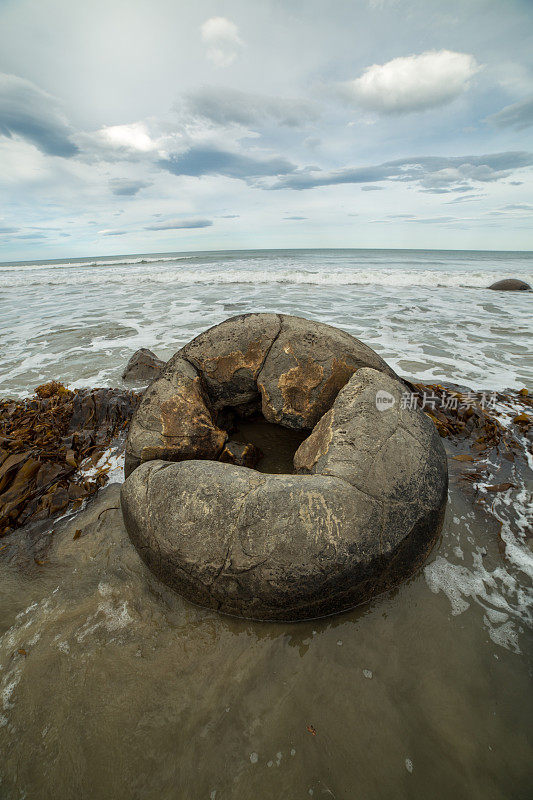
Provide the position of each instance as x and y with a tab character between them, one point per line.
143	367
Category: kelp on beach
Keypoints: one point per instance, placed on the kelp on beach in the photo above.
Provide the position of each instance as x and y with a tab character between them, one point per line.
464	414
47	445
51	443
495	448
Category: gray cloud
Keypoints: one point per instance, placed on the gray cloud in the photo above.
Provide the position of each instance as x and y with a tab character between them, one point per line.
518	207
7	229
372	188
517	115
513	211
213	161
437	173
431	220
411	218
112	232
452	187
295	217
465	198
223	106
174	224
32	236
31	113
124	188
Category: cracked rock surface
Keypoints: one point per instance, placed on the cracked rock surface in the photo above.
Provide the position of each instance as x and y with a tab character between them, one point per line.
289	369
360	515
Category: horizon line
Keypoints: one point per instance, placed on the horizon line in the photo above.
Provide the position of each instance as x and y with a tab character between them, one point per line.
265	249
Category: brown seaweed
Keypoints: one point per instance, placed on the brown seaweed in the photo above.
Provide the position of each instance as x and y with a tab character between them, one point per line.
43	442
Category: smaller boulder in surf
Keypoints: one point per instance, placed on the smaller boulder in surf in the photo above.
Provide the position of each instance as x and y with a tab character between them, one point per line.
510	285
143	366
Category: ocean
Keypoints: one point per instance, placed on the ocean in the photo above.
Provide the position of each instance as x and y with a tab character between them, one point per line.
427	312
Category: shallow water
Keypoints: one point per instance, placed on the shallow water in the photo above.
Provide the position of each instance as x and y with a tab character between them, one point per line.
277	444
125	691
428	313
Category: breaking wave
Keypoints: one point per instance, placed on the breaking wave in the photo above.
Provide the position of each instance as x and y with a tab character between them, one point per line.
136	273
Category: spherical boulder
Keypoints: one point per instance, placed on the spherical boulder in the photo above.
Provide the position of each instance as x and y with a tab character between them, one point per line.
510	285
359	515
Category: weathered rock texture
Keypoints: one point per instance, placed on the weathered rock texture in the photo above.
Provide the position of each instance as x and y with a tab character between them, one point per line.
510	285
290	369
361	514
143	366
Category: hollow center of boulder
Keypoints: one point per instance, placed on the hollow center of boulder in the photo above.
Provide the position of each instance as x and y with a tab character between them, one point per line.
276	443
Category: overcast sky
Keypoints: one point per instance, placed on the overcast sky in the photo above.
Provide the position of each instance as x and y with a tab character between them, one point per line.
161	125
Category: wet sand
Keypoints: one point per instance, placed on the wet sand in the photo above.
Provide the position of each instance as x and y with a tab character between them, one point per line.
112	686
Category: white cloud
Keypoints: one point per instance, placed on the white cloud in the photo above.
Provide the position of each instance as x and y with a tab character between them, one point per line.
221	37
176	224
413	83
133	137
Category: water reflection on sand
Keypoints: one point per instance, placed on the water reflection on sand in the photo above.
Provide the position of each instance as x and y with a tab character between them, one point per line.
112	686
